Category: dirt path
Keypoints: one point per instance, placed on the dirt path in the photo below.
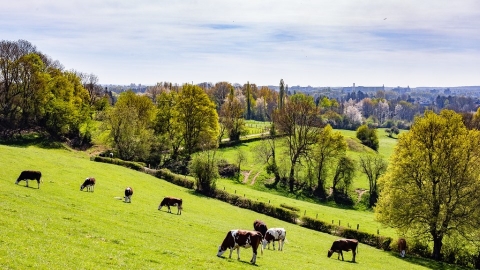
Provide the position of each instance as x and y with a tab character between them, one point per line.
245	176
254	178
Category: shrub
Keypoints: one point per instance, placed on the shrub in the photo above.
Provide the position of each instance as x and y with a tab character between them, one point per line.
204	168
293	208
227	170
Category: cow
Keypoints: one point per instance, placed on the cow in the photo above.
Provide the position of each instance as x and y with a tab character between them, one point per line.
241	238
260	226
89	183
171	201
402	246
128	194
344	245
272	235
29	175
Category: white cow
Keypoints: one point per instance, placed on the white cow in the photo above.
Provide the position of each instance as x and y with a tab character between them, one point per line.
275	234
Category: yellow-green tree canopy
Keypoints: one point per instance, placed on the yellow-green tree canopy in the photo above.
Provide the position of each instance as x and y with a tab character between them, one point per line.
431	185
197	118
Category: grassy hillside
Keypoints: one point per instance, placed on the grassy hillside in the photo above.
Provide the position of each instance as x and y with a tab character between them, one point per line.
60	227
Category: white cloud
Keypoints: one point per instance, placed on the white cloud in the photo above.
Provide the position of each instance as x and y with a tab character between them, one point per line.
304	42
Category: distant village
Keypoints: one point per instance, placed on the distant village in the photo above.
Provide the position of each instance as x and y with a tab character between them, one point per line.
424	96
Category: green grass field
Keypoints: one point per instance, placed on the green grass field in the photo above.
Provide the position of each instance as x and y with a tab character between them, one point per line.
60	227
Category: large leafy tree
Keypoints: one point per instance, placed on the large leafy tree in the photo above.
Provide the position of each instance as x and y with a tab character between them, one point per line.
431	185
300	123
331	146
231	116
167	128
373	167
197	117
131	126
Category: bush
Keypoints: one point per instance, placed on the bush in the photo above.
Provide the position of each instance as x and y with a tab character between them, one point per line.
179	180
227	170
380	242
204	168
138	166
292	208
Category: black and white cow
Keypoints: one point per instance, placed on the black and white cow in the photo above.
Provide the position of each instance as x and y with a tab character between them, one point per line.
241	238
29	175
89	183
275	234
171	201
128	194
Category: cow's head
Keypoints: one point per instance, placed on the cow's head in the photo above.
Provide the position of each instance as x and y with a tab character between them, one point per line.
82	187
220	251
330	252
264	243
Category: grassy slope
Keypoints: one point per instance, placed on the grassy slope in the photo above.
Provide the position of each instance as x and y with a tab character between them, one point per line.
346	216
60	227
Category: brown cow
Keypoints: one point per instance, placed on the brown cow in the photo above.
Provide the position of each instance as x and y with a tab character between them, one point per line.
89	183
29	175
402	246
128	194
171	201
344	245
260	226
241	238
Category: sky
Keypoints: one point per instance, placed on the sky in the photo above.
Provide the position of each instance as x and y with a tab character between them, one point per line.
304	42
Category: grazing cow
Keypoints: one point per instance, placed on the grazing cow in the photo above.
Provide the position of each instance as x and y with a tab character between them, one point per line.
29	175
241	238
260	226
171	201
128	194
344	245
275	234
89	183
402	246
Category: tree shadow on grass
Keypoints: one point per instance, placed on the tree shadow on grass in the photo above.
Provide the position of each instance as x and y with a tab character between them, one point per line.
431	264
33	139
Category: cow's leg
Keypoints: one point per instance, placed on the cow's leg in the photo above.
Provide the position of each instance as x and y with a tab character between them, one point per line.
354	253
238	253
26	180
38	182
280	244
341	253
273	244
231	251
254	258
402	253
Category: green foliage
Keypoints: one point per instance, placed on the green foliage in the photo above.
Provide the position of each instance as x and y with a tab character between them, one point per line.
289	207
368	136
380	242
197	117
430	186
329	148
130	126
204	169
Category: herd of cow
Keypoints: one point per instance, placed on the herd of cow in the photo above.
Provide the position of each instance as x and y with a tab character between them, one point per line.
260	236
89	185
